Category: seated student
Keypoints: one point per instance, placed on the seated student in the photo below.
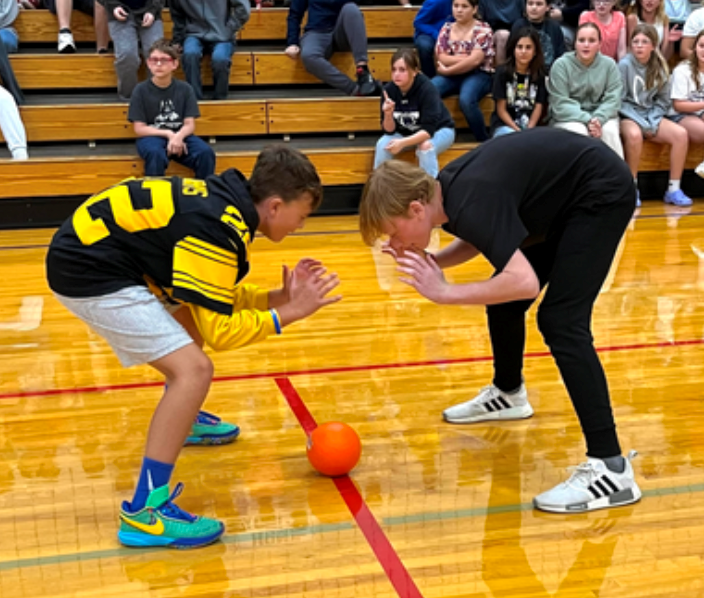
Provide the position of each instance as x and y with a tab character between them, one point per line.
7	76
501	15
519	85
585	90
652	12
693	25
433	14
567	14
209	27
413	115
187	242
332	26
163	110
612	24
63	9
552	40
11	126
465	54
645	102
9	9
687	95
134	25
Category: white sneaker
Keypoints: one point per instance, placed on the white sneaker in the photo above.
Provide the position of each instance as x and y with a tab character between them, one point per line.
591	486
699	170
66	43
490	404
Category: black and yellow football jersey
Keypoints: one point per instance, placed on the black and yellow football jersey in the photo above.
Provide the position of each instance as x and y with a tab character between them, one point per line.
185	237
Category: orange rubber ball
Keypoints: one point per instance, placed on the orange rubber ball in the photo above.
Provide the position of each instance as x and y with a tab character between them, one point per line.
334	449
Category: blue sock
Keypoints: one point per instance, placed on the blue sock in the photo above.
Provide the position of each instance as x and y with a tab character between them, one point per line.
154	475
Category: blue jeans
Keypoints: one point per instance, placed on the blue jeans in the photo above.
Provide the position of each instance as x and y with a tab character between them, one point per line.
472	87
200	157
427	159
425	45
9	39
221	60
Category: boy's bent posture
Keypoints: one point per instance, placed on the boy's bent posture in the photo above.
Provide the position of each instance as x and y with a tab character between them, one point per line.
546	208
187	242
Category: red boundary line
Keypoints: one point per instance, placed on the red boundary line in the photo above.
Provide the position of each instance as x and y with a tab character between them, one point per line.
338	370
386	555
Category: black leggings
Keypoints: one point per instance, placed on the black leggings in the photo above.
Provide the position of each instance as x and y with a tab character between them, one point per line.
573	263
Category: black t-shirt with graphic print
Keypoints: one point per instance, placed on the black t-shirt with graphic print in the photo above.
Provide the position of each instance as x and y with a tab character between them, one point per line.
517	190
521	95
420	109
163	108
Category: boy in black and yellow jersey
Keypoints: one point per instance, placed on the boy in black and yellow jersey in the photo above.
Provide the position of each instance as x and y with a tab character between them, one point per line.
188	241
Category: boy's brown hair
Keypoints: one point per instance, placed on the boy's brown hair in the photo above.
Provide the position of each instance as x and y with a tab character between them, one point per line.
166	47
388	193
286	173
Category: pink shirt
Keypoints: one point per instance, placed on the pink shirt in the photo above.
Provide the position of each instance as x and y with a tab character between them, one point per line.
609	33
482	37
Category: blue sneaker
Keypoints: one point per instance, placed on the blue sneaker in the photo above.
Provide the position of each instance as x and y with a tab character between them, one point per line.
162	523
210	429
637	198
677	198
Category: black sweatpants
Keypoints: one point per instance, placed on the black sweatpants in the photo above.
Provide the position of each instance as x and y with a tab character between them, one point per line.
573	262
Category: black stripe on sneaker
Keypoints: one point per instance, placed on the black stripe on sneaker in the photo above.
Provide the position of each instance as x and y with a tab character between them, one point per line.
604	490
489	407
504	403
607	480
595	492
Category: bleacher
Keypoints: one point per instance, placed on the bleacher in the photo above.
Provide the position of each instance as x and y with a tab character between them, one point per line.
80	140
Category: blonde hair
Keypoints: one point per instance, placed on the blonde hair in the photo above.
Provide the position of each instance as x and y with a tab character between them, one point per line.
388	194
656	71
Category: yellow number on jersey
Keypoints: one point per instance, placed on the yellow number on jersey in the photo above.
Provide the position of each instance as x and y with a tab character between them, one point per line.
194	187
91	230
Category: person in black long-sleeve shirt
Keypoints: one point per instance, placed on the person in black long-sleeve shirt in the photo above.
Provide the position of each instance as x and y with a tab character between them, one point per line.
413	115
333	25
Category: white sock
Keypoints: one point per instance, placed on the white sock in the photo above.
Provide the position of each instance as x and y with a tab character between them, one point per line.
674	185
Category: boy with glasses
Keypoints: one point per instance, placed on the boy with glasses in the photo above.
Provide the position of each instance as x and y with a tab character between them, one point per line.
163	111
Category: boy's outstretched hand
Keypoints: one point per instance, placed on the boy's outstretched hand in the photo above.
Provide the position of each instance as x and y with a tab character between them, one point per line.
305	290
424	275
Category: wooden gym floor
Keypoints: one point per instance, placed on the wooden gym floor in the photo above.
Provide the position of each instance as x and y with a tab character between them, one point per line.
434	510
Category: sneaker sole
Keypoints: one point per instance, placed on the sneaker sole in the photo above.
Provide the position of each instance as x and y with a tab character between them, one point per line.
67	50
619	499
507	414
139	540
212	440
679	205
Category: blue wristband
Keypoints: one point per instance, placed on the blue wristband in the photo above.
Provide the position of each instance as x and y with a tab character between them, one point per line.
277	323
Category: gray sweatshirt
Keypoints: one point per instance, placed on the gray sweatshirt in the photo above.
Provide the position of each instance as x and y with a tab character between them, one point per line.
208	20
646	107
579	93
8	12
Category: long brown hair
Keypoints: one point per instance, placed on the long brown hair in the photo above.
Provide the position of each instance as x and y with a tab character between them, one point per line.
693	61
656	71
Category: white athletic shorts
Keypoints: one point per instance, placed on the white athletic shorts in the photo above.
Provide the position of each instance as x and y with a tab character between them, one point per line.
138	327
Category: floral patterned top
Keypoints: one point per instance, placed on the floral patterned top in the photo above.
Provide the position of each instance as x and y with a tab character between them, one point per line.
482	38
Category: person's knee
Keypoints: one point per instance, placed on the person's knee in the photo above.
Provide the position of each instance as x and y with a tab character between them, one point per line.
311	58
198	368
632	137
680	135
426	146
555	325
127	58
350	10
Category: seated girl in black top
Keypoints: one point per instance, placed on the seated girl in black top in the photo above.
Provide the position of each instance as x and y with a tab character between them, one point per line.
413	115
519	85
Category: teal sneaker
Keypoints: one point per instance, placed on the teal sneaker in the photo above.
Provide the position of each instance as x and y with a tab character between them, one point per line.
210	429
162	523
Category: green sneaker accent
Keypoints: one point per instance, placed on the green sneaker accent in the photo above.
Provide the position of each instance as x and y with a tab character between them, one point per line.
162	523
209	429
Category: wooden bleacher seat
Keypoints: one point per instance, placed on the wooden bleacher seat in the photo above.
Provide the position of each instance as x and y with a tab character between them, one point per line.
45	71
40	26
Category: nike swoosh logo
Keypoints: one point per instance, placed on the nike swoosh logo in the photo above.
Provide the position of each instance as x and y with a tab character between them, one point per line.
154	529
